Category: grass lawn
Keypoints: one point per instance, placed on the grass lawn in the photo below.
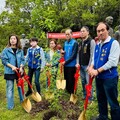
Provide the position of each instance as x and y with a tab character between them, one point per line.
18	113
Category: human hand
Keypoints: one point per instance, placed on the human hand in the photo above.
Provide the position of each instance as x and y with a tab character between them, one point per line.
42	69
63	63
48	65
77	65
21	70
14	68
93	72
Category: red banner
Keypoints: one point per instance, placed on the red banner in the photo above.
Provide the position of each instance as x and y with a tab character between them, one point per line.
62	35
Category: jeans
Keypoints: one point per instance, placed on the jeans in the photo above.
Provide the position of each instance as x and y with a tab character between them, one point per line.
10	93
107	93
85	80
37	76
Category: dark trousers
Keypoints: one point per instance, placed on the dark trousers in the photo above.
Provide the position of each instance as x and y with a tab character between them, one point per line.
107	93
69	73
37	76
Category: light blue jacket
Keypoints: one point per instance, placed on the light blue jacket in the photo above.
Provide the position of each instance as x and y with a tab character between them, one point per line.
8	56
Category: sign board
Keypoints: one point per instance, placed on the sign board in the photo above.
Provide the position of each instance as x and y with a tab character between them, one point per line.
62	35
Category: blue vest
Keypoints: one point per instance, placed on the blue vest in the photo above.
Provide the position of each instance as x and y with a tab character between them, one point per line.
34	60
68	48
101	57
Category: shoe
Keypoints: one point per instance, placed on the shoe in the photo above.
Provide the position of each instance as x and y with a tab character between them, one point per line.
28	93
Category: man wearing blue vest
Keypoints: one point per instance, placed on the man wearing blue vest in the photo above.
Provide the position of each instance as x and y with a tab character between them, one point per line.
70	53
104	69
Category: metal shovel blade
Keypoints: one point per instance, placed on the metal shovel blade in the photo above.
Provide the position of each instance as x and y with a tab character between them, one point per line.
58	84
61	84
26	104
82	116
36	96
73	98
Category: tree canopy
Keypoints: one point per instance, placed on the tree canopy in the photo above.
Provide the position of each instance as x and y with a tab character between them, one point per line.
37	17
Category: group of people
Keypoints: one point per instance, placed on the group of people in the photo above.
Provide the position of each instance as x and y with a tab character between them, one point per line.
98	60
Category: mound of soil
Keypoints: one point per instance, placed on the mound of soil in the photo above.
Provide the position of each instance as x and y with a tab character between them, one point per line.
67	105
71	110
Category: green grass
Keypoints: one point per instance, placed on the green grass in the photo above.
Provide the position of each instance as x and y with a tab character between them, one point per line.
18	113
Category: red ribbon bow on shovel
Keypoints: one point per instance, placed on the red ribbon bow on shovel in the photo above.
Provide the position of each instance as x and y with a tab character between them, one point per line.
20	81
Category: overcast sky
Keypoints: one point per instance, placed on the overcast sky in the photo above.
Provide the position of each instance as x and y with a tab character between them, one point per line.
2	4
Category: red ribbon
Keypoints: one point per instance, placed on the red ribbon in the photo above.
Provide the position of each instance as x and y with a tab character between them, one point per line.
76	76
48	81
61	66
26	77
61	59
88	88
20	82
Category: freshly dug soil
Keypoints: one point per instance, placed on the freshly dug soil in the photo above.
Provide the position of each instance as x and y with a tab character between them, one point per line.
70	110
40	106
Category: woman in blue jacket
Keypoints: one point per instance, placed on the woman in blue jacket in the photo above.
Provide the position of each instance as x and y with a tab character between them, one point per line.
12	59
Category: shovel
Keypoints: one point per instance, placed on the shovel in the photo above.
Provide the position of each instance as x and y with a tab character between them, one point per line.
35	95
26	104
49	94
88	88
61	84
73	97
